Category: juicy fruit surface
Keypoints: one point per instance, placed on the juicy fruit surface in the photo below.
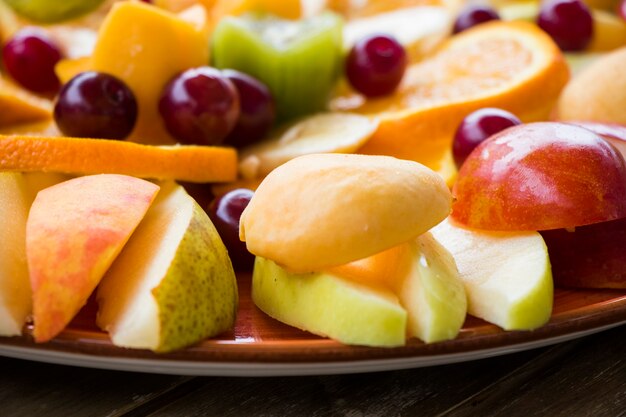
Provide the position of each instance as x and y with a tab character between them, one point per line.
351	195
418	121
507	275
183	293
326	305
541	176
74	231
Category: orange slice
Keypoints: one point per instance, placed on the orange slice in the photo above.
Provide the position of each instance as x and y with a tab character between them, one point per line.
20	106
100	156
511	65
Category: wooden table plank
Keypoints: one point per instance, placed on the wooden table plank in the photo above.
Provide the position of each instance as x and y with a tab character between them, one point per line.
434	389
31	388
589	380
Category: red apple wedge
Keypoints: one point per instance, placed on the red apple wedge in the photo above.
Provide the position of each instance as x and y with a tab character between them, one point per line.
74	231
541	176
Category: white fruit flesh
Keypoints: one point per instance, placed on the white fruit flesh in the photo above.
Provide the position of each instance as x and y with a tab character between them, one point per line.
432	292
330	306
15	293
173	284
507	275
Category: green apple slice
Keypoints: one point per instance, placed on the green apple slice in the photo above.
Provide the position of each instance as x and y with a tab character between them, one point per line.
173	284
327	305
299	61
507	275
432	292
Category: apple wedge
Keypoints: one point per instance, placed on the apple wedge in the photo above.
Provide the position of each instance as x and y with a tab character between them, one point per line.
507	275
431	291
17	192
173	284
328	305
74	231
15	294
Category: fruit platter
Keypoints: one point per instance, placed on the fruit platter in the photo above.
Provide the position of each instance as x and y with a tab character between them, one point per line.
260	187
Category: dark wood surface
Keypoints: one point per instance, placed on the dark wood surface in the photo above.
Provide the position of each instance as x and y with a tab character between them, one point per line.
584	377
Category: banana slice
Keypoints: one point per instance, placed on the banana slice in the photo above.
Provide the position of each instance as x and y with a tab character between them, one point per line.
320	133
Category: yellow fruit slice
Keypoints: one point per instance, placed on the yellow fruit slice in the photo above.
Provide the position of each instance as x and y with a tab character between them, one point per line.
512	65
609	32
20	106
93	156
146	46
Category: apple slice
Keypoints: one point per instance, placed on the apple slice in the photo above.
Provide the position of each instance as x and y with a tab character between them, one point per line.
173	284
327	305
15	294
507	275
540	176
74	231
17	192
431	291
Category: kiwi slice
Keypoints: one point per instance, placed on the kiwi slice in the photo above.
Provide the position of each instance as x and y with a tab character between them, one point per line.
52	11
299	60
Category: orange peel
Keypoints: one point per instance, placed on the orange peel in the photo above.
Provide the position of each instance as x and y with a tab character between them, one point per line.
79	156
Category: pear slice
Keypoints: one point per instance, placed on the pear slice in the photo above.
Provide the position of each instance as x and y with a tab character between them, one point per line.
430	289
320	133
507	275
17	192
173	284
327	305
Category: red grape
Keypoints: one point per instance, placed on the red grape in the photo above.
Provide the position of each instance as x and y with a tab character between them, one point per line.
473	15
200	106
568	22
478	126
96	105
30	57
225	212
375	65
257	113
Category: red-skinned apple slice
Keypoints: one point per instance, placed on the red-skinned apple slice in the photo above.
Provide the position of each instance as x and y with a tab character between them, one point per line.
74	231
541	176
592	256
613	132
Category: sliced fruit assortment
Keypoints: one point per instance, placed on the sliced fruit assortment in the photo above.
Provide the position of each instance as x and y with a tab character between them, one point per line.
355	247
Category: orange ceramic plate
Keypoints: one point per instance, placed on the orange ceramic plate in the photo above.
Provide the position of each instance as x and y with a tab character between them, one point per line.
261	346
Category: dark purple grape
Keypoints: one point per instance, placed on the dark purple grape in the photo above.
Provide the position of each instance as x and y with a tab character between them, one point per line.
257	109
225	212
473	15
568	22
200	106
30	57
478	126
375	65
96	105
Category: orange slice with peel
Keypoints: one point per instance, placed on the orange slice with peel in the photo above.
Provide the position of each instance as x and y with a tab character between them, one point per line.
511	65
100	156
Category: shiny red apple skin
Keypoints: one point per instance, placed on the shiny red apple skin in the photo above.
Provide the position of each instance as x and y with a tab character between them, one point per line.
540	176
592	256
613	132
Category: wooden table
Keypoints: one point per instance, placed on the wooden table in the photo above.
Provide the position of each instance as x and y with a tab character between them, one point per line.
584	377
